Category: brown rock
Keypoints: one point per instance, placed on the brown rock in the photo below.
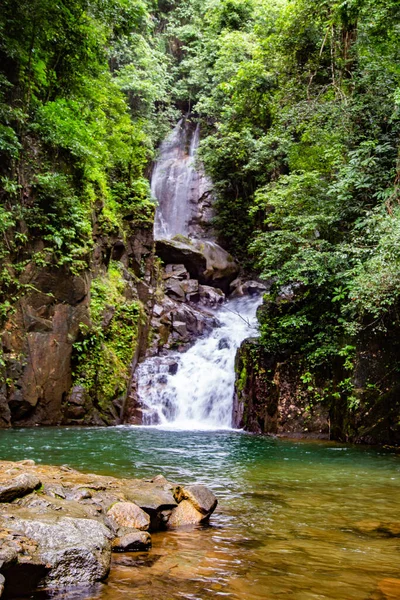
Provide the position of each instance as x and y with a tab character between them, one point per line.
383	528
128	514
134	541
185	514
200	496
389	589
20	486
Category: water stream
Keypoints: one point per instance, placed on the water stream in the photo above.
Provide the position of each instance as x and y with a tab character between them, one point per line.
175	182
287	526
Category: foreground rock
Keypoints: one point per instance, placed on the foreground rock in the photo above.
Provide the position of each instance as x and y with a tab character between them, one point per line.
20	486
195	505
378	528
388	589
58	527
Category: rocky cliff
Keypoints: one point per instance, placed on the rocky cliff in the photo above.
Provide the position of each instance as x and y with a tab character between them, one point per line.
60	331
357	402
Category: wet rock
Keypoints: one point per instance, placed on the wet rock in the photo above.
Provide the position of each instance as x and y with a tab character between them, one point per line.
153	499
210	296
191	286
174	289
177	271
238	288
223	344
182	252
388	589
72	550
253	288
221	268
132	541
173	368
128	514
20	486
199	495
180	328
205	261
77	395
185	514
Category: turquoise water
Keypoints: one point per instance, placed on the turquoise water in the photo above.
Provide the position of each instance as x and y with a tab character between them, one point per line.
287	525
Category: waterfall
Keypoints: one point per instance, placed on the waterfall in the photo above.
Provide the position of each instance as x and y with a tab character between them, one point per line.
175	182
191	389
194	389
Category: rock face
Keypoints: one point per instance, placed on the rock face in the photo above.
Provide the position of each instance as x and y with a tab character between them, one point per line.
270	398
37	340
62	533
204	260
71	550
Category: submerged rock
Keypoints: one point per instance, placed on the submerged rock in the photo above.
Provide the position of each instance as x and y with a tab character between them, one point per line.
388	589
132	541
380	528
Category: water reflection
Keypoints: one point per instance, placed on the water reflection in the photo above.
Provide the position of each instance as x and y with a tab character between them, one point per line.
295	520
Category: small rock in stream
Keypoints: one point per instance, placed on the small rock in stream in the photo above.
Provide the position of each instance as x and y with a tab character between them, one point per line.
133	541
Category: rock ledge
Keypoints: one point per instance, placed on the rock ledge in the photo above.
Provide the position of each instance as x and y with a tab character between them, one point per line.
58	527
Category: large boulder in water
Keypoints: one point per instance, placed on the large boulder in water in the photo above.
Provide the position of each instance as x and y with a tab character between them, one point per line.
205	261
195	505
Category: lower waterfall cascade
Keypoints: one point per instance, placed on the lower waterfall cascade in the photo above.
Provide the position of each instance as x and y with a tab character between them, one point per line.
194	389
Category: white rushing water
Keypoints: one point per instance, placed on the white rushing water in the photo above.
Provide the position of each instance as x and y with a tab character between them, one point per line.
194	389
175	183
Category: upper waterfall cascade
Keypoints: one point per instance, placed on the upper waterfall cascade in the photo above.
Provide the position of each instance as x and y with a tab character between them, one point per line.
192	389
176	183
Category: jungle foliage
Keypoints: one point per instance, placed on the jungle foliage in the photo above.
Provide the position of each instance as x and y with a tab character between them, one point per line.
300	101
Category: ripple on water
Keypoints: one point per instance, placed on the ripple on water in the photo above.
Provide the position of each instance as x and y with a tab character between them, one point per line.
283	529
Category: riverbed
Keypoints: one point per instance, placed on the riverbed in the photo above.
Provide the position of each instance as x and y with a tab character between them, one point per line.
294	521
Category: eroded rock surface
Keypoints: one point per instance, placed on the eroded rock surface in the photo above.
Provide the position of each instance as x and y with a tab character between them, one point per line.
19	486
128	514
58	526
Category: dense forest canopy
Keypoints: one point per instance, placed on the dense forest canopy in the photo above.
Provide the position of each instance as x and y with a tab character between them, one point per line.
299	103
